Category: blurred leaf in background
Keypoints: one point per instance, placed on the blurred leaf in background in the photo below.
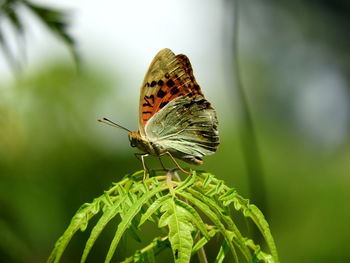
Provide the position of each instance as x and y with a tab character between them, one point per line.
48	156
55	20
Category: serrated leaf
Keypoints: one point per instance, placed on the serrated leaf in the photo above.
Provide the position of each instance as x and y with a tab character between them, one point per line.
259	254
180	227
203	241
228	197
253	212
258	218
213	217
153	208
215	190
222	253
126	221
195	217
138	257
158	244
223	215
79	221
188	181
108	214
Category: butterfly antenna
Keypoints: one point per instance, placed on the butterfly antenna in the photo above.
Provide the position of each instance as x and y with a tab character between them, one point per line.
113	124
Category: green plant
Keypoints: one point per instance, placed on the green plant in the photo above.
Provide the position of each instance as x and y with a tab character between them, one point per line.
191	212
54	19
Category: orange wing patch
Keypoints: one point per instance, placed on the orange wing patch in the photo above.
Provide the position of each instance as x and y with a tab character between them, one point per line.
177	80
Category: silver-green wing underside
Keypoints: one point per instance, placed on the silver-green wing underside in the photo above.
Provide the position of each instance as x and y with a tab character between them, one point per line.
186	127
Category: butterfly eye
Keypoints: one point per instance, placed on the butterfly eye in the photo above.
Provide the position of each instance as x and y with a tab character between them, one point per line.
132	145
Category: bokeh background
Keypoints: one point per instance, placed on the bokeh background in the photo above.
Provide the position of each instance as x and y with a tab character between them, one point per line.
284	143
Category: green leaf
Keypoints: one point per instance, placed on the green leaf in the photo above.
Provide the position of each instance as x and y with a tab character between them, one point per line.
213	217
228	197
188	181
153	208
203	241
79	221
137	200
109	213
126	221
216	190
222	253
260	255
9	10
251	211
158	244
207	180
195	217
56	21
138	257
223	215
180	227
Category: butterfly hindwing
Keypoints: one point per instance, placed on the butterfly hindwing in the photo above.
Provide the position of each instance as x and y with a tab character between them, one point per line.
167	78
186	127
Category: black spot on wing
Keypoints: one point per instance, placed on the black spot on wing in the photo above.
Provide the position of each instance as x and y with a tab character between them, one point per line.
187	105
174	91
204	103
170	83
153	83
196	87
163	104
161	93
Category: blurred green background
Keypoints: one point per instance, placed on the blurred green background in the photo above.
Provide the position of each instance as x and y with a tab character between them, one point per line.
294	63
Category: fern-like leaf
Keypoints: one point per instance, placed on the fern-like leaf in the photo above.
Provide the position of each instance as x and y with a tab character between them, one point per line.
126	221
79	221
108	213
213	217
198	208
180	227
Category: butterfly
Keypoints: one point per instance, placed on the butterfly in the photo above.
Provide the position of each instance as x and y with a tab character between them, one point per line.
175	119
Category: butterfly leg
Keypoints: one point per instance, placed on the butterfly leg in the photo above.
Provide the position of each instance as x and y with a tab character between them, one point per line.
161	162
141	157
171	172
173	159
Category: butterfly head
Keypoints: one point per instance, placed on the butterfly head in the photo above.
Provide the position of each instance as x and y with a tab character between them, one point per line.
136	140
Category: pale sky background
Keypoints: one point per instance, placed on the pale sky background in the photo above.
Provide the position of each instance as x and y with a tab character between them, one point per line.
130	33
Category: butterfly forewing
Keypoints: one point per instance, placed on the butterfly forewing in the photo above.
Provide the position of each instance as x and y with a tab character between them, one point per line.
167	78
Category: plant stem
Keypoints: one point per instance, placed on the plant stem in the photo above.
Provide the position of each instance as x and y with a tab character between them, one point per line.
202	257
247	132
